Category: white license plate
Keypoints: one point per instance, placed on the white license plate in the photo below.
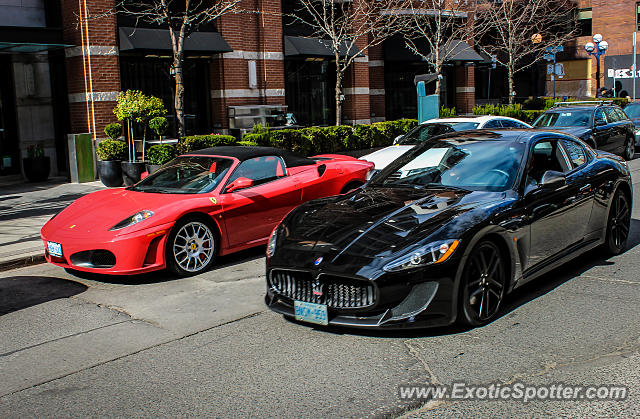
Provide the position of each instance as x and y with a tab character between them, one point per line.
55	249
311	312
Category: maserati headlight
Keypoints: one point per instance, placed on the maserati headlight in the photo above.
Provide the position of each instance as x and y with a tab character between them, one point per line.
435	252
271	245
134	219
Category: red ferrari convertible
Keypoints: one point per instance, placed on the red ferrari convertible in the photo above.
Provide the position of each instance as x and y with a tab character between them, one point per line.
200	205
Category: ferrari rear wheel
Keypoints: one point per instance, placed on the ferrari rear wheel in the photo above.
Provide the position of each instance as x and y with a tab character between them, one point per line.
191	247
483	284
618	224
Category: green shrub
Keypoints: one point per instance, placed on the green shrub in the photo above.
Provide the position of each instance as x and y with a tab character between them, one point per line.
511	111
159	125
161	153
447	112
199	142
246	143
113	130
110	149
532	115
536	104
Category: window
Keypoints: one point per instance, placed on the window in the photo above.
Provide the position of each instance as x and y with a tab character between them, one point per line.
612	115
508	123
638	15
260	170
494	123
584	22
621	115
546	156
599	117
576	153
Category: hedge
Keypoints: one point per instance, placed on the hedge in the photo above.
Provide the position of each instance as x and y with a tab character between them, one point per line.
110	149
512	111
161	153
198	142
321	140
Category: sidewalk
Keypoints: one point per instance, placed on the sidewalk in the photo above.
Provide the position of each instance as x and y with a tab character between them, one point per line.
24	209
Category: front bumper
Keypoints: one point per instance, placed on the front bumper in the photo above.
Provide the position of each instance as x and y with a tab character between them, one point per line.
134	253
417	302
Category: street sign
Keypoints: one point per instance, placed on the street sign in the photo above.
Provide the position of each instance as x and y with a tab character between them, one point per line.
559	69
549	68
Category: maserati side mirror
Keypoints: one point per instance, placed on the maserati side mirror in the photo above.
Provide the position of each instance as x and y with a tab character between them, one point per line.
552	179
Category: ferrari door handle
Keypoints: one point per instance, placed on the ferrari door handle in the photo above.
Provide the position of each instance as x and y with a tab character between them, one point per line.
585	187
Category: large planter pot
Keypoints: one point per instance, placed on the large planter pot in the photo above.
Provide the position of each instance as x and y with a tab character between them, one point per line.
131	172
153	167
110	172
37	170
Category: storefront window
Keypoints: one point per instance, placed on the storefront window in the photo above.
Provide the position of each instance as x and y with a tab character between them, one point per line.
584	22
310	87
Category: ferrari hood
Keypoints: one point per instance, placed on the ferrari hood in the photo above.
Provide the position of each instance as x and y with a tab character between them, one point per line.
96	213
382	158
376	222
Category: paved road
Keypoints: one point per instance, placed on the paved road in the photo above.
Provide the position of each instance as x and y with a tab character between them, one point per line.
159	346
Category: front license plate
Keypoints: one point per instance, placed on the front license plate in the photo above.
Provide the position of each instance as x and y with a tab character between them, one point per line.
311	312
55	249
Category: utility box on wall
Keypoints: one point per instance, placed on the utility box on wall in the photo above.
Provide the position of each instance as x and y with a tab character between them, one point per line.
81	158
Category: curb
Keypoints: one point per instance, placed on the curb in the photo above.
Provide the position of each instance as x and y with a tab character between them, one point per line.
22	262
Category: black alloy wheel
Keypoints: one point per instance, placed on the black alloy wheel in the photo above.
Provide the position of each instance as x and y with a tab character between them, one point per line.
618	224
629	149
483	284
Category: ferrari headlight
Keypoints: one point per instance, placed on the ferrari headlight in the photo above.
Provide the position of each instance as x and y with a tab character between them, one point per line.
134	219
435	252
271	245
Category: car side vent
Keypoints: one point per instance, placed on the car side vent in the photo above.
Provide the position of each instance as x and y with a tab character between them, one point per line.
321	169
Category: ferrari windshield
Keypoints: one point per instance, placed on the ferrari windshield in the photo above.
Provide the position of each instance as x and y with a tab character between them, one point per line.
566	118
471	164
423	132
186	175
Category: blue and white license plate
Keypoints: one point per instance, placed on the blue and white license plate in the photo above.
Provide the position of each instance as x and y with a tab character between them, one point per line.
311	312
55	249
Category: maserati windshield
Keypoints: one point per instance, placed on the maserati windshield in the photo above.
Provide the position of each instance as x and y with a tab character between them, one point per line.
468	164
186	175
423	132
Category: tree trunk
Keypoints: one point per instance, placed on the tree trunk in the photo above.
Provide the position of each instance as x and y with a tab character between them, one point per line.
511	92
338	98
438	69
179	97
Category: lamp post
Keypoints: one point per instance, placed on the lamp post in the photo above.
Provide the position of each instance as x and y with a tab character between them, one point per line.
597	48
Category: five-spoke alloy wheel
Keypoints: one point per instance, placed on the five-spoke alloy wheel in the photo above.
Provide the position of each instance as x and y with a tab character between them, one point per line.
618	224
483	284
191	247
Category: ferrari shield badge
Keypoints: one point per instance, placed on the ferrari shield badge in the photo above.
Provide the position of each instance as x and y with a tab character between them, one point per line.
213	201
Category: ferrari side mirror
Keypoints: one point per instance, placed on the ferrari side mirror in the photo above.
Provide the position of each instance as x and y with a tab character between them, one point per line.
144	175
240	183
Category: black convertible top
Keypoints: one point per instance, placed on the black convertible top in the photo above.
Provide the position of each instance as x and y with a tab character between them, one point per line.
242	153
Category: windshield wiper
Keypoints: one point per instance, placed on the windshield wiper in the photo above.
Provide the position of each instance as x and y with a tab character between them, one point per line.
440	185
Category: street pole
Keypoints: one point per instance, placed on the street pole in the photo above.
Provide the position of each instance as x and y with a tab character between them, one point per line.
597	75
553	74
635	69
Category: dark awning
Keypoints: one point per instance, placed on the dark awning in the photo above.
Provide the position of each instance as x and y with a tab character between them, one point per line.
427	78
457	50
315	47
158	39
22	39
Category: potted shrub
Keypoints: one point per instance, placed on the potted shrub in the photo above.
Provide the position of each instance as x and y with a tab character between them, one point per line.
135	107
159	125
110	154
36	165
158	155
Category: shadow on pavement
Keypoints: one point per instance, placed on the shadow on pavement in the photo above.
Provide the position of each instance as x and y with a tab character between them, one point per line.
19	292
164	275
519	297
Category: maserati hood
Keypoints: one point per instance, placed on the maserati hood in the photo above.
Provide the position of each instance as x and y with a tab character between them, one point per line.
580	132
375	222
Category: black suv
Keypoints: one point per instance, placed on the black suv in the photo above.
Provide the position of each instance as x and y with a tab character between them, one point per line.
603	125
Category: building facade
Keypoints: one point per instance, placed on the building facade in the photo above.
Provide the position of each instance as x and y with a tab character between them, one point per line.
616	21
67	81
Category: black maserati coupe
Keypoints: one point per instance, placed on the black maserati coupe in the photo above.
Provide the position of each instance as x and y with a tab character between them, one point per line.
447	230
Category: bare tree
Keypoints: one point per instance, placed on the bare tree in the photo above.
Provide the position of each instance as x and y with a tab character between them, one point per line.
349	28
519	31
182	18
439	24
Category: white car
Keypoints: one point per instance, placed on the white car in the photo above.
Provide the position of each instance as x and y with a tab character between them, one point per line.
433	127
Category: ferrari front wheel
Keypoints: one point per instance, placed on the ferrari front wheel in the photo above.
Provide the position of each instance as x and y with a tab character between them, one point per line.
191	247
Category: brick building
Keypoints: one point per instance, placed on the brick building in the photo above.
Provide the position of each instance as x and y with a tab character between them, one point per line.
615	20
74	71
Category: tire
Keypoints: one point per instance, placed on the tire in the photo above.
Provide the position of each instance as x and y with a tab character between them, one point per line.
191	246
350	186
618	224
629	149
483	285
